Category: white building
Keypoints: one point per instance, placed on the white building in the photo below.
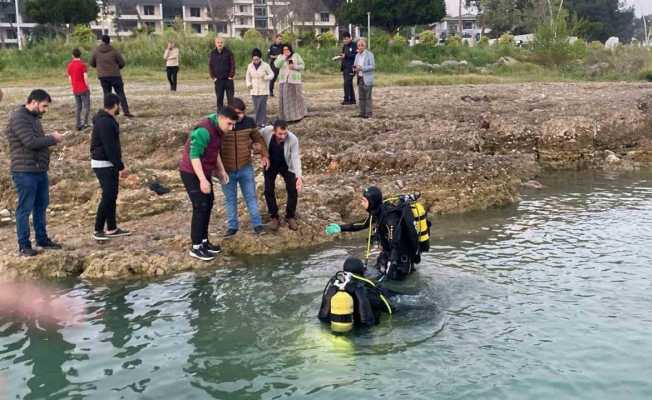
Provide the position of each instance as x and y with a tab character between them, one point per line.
471	28
12	23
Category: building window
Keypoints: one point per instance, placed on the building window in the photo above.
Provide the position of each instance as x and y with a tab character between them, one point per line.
261	24
196	28
261	2
325	30
195	12
325	17
242	21
467	24
11	34
260	12
148	10
243	9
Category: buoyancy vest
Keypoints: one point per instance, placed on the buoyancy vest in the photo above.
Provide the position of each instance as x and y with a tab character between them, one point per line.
352	300
420	217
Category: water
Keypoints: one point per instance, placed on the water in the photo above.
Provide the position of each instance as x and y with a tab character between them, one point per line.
547	299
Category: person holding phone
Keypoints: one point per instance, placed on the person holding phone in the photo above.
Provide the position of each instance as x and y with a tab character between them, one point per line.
292	107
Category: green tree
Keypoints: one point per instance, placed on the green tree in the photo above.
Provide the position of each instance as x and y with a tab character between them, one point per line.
392	14
515	16
73	12
603	19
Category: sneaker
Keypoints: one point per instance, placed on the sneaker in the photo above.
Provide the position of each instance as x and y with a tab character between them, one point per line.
212	248
27	252
117	233
100	236
292	224
230	233
201	254
259	230
49	244
274	224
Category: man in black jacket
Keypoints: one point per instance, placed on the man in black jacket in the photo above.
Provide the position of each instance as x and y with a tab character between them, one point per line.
221	68
106	161
275	50
30	162
349	50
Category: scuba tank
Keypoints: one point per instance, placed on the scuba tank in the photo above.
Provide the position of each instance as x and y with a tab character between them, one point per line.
341	310
421	222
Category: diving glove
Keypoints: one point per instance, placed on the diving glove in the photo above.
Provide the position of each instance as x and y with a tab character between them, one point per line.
333	229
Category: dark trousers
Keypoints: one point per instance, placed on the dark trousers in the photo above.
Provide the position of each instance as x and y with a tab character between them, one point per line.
224	86
202	206
270	191
33	198
349	94
273	81
364	99
109	179
172	77
83	103
115	83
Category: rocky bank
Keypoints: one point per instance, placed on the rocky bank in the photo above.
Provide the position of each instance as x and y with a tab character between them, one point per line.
463	147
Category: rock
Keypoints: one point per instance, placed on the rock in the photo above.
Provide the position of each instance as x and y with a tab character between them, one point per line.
450	64
507	61
5	213
611	157
612	43
532	184
418	64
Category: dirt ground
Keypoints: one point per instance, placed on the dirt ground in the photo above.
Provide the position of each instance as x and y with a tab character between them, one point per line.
463	147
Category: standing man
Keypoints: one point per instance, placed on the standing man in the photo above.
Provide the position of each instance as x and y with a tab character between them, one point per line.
109	62
236	156
275	50
30	161
364	66
78	77
221	68
285	160
349	51
106	161
199	163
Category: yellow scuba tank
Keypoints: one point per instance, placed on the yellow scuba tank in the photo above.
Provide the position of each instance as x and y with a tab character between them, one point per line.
421	224
341	315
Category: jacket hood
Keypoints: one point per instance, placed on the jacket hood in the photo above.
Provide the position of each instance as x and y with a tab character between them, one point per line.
104	48
101	114
375	197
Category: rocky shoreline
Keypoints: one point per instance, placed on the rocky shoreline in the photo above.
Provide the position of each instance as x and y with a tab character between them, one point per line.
464	148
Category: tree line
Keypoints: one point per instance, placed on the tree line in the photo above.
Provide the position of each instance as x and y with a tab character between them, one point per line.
591	19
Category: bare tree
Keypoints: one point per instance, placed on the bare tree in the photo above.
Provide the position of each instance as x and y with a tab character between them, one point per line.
220	11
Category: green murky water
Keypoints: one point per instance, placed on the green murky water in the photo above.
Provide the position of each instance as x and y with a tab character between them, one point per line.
548	299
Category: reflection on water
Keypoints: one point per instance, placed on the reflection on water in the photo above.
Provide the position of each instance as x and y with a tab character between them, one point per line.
546	299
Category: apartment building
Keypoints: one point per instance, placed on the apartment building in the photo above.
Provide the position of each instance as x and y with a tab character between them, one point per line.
12	24
127	16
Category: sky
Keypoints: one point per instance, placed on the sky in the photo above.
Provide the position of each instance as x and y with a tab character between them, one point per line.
643	7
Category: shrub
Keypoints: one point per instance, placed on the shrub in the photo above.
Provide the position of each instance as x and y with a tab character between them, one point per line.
398	40
483	42
327	39
645	75
289	37
596	45
83	34
252	35
428	38
454	41
307	38
506	40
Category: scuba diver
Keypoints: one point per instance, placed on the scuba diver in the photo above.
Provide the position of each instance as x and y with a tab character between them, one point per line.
350	299
401	227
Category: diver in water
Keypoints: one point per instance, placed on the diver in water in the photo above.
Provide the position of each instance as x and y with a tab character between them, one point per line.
350	299
392	224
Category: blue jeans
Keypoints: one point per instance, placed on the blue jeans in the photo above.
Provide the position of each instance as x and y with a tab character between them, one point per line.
247	180
33	198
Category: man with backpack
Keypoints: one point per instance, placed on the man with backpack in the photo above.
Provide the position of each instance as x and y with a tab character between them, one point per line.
393	226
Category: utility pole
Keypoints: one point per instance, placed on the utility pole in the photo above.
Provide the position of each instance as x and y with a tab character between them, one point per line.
461	26
369	30
19	31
